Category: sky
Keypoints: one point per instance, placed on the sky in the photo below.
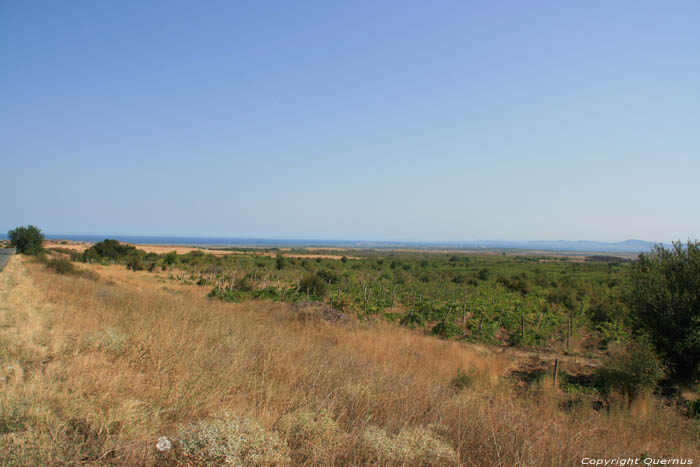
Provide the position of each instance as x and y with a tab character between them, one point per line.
361	120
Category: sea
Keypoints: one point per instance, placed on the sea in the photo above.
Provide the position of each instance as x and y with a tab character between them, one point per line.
628	246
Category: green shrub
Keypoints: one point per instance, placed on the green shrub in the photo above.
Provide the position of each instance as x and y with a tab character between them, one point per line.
694	406
632	372
245	283
446	329
484	274
313	285
134	262
28	240
665	304
233	441
280	261
226	295
107	249
463	379
65	267
61	266
329	276
13	416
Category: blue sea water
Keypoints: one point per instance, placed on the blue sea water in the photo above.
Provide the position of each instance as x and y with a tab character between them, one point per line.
561	245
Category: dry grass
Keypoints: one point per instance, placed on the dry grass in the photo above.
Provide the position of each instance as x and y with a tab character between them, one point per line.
95	372
181	250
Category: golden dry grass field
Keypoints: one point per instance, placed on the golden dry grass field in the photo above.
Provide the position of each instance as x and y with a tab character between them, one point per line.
182	249
94	372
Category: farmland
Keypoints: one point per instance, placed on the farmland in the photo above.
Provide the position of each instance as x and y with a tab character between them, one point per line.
375	358
524	300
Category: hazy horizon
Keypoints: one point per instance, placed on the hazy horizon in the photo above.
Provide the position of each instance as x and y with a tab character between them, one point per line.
385	121
271	240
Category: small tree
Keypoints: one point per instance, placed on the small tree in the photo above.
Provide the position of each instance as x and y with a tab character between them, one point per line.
313	285
280	261
28	240
664	298
634	371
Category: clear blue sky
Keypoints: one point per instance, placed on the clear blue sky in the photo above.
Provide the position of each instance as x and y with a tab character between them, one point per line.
352	120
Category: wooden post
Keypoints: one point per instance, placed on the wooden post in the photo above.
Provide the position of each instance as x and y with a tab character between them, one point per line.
556	371
464	310
522	326
568	333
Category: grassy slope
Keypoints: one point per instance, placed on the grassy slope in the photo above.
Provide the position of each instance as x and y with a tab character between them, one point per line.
94	372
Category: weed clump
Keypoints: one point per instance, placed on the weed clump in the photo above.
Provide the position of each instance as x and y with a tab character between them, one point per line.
111	339
311	436
232	440
412	446
13	416
463	379
65	267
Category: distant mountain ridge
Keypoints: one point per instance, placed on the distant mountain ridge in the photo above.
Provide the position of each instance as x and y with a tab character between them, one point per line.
630	246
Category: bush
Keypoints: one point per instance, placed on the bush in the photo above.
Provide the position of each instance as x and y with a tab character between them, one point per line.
665	304
483	274
412	446
312	436
313	285
245	283
61	266
135	262
446	329
232	440
517	283
280	261
463	379
632	372
107	250
112	340
329	276
28	240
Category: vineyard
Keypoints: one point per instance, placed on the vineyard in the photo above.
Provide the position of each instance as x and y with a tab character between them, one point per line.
531	301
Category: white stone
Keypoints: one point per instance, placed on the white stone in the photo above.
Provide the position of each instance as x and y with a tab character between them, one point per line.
163	444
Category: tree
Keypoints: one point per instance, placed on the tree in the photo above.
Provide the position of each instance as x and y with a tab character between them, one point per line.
633	371
108	249
664	299
28	240
280	261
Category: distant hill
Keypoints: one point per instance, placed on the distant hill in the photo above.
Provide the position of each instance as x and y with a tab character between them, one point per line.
630	246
